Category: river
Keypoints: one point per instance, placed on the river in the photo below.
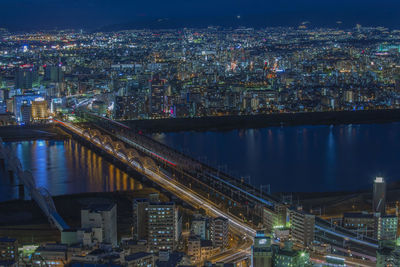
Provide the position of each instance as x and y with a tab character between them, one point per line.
65	167
299	158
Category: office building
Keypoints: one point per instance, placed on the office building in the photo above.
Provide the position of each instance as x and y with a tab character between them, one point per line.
102	216
24	79
379	196
386	227
39	110
54	74
25	99
26	114
261	251
302	226
219	232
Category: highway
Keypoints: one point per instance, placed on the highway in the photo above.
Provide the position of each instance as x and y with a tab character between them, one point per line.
183	192
169	183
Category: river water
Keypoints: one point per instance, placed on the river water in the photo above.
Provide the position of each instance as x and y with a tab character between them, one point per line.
65	167
299	158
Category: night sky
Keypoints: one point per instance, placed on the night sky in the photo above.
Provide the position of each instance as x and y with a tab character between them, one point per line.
93	14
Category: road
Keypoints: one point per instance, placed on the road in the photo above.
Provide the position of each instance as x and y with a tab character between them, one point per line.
186	194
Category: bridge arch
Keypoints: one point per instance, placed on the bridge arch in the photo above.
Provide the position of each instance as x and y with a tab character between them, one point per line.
86	133
118	145
132	153
110	145
95	132
137	161
149	163
94	138
107	139
49	200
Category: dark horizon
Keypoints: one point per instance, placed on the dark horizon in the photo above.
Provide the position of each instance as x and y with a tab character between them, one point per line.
20	15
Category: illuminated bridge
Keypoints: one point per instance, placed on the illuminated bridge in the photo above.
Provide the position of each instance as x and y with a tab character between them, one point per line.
239	201
40	195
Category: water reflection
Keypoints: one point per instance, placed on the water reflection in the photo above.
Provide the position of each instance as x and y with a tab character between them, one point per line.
66	167
301	158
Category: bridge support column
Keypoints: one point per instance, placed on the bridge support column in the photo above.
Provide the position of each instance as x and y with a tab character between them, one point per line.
21	191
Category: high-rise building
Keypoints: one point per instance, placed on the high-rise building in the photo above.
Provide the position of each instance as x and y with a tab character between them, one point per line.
26	113
54	74
39	110
157	222
140	219
219	232
302	226
164	226
19	100
386	227
156	98
24	79
379	196
8	249
102	216
261	251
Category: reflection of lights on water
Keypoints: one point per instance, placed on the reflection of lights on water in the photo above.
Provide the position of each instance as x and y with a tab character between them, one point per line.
41	143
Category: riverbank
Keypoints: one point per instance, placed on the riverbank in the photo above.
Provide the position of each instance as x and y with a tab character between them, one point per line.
224	123
31	132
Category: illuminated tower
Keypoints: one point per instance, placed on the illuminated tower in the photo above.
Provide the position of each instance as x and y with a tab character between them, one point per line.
379	196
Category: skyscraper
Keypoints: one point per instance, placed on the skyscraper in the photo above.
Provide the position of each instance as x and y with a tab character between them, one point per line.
379	196
24	79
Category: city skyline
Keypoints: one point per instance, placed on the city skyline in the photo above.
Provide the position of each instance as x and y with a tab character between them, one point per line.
105	14
199	133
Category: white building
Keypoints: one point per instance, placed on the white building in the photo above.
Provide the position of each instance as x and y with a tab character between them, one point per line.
103	216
